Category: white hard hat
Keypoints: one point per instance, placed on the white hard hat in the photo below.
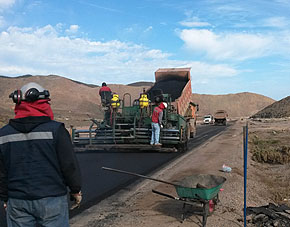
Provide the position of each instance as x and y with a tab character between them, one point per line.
29	92
33	91
165	105
30	85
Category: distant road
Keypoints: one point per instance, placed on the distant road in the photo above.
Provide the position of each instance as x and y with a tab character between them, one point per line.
99	184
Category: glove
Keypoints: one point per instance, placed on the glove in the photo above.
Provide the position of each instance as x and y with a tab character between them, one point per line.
77	198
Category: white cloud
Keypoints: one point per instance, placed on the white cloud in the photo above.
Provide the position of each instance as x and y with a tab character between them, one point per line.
203	72
285	2
44	51
148	29
6	3
194	22
279	22
230	8
213	71
2	21
73	29
230	46
100	7
129	29
18	70
269	23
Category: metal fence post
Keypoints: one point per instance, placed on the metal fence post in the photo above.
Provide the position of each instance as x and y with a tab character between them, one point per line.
245	140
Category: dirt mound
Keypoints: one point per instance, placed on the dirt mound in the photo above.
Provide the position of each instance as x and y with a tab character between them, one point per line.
278	109
236	105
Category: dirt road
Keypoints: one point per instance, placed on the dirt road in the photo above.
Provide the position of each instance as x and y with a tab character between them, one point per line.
138	206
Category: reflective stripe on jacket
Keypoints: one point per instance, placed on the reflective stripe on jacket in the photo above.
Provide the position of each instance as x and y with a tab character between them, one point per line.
31	161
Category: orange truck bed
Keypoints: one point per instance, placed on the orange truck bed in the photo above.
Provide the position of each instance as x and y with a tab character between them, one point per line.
177	82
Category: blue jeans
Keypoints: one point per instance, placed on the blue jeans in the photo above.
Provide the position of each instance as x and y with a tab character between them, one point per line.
155	133
46	212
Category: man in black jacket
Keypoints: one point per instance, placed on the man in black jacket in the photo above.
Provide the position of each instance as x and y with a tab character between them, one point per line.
37	163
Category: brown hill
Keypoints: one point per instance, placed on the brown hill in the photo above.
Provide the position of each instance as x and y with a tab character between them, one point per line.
278	109
73	101
237	105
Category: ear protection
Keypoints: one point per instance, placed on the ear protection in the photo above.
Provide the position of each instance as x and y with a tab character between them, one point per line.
30	95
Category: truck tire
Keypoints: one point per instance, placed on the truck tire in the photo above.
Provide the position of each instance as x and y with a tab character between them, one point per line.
182	146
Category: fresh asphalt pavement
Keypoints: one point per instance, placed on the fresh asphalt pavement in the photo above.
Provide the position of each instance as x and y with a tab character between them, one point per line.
99	184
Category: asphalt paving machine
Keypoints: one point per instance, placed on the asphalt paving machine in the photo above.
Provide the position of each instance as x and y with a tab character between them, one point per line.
129	125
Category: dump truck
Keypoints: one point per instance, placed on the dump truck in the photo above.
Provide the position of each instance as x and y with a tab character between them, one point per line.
173	85
129	127
220	117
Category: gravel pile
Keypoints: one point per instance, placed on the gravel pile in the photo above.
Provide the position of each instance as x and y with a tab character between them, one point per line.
279	109
269	215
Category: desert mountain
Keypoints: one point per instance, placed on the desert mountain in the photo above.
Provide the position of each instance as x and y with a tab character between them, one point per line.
73	102
278	109
237	105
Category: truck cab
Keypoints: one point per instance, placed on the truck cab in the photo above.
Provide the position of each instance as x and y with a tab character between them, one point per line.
208	119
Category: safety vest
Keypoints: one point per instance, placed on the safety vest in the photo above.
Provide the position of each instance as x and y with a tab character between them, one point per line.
155	114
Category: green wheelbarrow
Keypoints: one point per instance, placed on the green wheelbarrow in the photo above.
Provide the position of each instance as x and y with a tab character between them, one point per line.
201	189
192	190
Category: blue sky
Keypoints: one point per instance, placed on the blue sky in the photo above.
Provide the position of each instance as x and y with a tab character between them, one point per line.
231	46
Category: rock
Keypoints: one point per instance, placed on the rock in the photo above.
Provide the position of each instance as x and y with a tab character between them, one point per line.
260	218
276	223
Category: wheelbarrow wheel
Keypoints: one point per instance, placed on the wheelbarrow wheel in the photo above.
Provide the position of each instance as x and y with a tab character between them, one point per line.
211	207
205	213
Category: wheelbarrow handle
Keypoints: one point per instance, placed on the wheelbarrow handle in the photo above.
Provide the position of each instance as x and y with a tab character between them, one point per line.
139	175
166	195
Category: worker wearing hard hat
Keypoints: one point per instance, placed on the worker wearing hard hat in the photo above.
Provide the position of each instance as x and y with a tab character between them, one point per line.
37	163
157	123
106	99
105	93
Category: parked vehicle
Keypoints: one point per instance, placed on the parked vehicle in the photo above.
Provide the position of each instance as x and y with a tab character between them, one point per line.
220	117
208	119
